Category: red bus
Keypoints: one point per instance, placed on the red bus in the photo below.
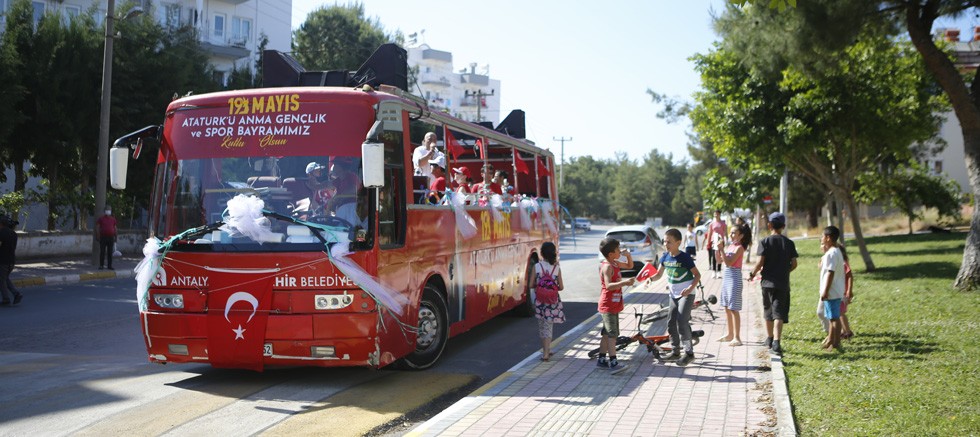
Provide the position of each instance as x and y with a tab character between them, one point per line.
408	276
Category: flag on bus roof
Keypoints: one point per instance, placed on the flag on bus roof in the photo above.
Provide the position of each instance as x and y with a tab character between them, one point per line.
481	149
452	146
542	168
519	163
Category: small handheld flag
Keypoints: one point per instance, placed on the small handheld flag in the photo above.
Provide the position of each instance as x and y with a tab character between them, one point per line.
648	271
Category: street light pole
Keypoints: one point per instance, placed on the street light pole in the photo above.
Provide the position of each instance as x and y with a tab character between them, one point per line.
561	170
102	167
103	157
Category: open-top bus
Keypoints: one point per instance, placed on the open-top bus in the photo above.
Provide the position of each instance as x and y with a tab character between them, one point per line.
407	275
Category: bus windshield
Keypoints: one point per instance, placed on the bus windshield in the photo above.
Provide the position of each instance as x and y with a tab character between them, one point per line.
318	189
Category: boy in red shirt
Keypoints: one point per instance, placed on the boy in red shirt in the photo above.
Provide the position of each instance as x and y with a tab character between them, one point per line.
611	302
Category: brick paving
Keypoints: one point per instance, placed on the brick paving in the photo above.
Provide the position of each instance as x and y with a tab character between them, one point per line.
723	392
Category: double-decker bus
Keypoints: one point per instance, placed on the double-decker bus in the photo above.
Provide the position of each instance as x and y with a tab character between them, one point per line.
348	262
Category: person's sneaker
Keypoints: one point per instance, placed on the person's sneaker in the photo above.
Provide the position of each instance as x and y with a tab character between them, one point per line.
19	297
603	363
776	350
615	366
768	342
686	359
673	355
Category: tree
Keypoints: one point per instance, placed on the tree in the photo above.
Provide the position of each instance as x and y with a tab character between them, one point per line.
918	18
337	38
829	124
908	187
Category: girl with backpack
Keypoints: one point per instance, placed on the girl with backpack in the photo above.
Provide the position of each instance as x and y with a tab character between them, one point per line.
547	304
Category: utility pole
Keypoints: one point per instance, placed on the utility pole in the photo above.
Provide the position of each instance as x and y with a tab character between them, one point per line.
561	170
478	95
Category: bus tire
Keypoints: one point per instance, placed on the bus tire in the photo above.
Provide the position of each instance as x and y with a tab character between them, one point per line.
433	330
526	308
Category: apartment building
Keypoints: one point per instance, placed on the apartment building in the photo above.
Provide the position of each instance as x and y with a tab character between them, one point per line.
468	93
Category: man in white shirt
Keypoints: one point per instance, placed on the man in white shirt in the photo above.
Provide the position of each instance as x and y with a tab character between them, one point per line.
425	154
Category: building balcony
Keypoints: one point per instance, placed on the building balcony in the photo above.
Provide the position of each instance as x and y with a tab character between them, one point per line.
437	81
437	55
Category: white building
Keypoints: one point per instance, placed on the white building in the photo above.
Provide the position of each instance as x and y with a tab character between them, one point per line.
950	160
467	94
229	29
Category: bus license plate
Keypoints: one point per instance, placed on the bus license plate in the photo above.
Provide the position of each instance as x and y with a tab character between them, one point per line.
267	349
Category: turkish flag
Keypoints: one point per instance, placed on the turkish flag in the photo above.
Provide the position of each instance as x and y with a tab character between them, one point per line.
648	271
453	146
238	309
481	149
519	163
542	168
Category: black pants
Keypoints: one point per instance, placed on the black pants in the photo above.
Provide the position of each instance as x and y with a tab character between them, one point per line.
712	261
106	247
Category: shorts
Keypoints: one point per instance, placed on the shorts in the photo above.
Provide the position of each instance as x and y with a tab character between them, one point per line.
831	309
610	324
775	304
691	250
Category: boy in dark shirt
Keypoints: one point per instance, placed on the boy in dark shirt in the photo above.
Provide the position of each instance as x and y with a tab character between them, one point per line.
777	257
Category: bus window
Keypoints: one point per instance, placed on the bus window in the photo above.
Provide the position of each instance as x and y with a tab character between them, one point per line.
391	198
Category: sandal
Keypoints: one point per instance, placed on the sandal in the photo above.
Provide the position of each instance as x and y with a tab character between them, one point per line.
724	339
546	358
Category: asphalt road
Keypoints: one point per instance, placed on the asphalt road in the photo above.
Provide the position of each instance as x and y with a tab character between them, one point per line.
73	362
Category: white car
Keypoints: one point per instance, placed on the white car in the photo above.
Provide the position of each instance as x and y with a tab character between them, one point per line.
643	243
583	223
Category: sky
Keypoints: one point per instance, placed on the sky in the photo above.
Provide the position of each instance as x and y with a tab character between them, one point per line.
579	70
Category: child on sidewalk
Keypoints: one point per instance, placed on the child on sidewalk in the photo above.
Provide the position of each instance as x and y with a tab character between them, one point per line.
611	302
551	312
731	286
682	277
831	284
691	242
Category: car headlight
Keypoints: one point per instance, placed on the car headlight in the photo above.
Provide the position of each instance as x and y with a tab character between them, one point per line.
171	301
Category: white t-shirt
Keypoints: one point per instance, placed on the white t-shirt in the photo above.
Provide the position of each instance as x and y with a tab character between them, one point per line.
424	170
545	267
832	261
691	239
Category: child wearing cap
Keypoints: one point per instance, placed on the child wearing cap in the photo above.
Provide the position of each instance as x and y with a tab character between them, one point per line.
460	177
777	258
438	184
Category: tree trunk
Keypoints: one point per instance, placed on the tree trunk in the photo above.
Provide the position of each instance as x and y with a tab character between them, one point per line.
910	223
20	178
813	216
52	183
869	265
919	19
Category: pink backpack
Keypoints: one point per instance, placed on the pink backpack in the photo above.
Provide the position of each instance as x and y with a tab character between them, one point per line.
547	288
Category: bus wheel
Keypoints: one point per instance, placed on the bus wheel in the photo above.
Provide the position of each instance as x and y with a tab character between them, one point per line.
433	330
526	308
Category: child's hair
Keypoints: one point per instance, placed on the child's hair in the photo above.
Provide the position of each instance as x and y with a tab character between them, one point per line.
833	233
606	246
673	233
746	233
549	252
690	225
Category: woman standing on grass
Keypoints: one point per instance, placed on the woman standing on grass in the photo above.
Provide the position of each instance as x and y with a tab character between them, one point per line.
731	286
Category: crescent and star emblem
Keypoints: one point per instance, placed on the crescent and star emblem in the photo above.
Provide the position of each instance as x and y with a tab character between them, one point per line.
241	296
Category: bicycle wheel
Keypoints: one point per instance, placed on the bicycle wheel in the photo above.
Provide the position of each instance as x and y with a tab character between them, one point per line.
654	316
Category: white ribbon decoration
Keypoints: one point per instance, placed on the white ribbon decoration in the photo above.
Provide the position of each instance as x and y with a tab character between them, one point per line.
464	223
245	218
394	301
496	202
145	270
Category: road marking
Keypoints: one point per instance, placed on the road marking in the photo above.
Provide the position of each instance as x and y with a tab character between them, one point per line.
359	409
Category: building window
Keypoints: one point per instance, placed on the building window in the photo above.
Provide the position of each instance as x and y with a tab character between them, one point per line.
38	11
938	167
241	31
171	16
218	31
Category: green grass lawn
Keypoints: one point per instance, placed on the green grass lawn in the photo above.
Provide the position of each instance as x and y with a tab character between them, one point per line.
913	367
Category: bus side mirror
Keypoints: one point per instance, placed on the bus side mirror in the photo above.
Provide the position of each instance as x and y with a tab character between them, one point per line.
373	158
118	164
373	163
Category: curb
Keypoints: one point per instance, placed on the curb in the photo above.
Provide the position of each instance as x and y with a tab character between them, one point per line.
785	426
34	281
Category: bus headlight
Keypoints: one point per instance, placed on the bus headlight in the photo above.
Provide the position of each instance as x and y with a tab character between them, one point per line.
333	301
171	301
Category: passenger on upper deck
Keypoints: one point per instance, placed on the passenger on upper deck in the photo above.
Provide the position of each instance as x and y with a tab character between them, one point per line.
460	177
438	184
489	186
425	154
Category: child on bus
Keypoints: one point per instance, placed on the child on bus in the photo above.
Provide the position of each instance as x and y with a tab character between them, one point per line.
548	311
611	302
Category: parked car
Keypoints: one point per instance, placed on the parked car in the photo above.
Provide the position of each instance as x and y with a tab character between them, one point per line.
583	223
643	243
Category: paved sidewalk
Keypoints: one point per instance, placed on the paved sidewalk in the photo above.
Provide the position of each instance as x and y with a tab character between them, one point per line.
68	270
725	391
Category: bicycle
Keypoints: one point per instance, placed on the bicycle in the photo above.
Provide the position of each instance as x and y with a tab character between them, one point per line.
663	312
654	343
